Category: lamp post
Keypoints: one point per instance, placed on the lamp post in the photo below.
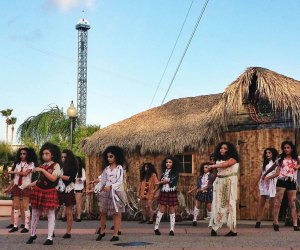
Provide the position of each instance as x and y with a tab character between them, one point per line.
72	113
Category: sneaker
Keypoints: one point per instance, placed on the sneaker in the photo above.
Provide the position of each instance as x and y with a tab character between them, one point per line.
257	225
213	233
114	238
194	224
31	239
10	226
14	229
157	232
171	233
276	227
48	242
230	234
67	236
24	230
22	226
100	236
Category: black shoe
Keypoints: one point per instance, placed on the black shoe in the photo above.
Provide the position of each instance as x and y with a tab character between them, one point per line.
194	223
67	236
276	227
53	235
98	231
150	222
48	242
63	219
213	233
31	239
78	220
22	226
100	236
24	230
14	229
119	232
114	238
157	232
296	228
230	234
10	226
112	227
257	225
142	221
171	233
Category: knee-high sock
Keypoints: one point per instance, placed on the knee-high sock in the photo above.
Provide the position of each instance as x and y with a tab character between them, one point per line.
35	217
51	223
27	218
196	212
158	219
16	217
172	222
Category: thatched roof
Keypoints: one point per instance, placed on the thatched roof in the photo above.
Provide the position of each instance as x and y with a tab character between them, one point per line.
169	128
189	123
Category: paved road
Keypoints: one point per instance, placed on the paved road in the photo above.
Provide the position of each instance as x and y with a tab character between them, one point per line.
186	237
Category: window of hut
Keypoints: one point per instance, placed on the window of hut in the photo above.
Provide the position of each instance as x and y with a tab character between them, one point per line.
185	163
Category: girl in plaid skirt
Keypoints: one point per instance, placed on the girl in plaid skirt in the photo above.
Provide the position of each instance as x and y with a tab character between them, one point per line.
204	191
24	165
112	196
44	195
168	193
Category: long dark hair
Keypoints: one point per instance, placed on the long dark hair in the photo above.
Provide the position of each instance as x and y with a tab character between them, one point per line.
147	174
117	152
201	168
80	166
175	166
70	162
294	153
266	160
54	150
30	157
231	153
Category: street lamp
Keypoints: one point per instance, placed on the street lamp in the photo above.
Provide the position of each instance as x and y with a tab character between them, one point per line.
72	113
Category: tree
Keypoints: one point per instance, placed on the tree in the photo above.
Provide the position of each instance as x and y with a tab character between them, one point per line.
12	122
7	114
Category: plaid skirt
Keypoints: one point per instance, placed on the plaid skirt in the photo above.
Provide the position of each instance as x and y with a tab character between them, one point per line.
205	196
106	203
44	198
168	198
67	198
16	191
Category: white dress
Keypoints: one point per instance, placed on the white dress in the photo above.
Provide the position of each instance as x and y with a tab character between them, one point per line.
224	197
268	187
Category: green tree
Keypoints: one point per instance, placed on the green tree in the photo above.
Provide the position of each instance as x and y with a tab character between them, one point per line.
7	114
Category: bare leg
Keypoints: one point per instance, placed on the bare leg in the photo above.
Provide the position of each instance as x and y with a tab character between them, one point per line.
69	214
78	197
277	203
292	198
117	223
150	204
102	223
260	207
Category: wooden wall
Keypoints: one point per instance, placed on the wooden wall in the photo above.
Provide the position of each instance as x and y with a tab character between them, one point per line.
250	145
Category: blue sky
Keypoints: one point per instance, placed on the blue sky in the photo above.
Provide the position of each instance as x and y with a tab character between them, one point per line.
129	45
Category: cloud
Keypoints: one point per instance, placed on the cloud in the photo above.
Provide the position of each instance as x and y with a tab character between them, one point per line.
67	5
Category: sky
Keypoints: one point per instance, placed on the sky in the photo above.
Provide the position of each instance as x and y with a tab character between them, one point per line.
129	44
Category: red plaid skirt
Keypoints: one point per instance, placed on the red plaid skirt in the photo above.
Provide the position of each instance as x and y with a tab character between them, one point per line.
44	198
16	191
67	198
168	198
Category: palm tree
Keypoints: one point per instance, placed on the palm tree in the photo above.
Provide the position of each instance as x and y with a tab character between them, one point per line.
7	114
12	122
50	125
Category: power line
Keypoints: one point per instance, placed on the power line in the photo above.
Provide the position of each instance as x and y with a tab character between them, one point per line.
158	85
186	48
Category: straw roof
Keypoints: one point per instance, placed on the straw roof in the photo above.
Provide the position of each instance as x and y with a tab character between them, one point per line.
191	123
170	128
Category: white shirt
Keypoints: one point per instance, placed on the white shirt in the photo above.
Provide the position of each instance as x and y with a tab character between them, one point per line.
26	180
79	185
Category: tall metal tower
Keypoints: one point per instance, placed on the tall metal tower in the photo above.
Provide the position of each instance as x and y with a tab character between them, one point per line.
82	26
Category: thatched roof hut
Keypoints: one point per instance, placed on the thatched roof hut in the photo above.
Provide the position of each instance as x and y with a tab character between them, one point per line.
258	110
